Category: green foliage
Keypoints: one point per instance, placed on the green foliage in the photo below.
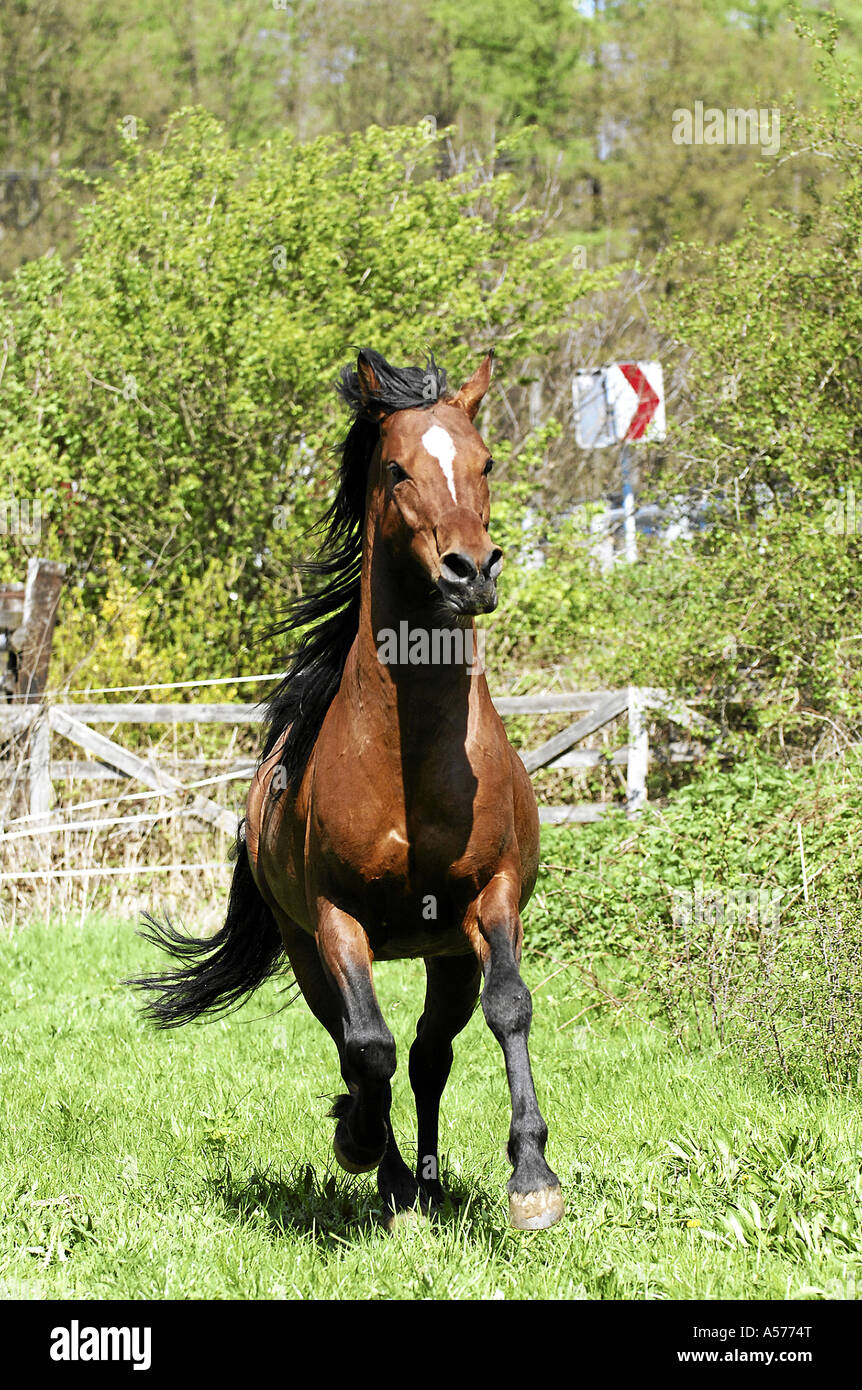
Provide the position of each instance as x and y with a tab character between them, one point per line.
772	394
74	69
593	88
170	398
782	989
761	621
798	1013
732	827
114	635
653	59
756	614
518	66
700	910
766	1192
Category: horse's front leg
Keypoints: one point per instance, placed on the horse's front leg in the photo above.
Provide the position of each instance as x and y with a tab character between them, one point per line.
367	1048
535	1200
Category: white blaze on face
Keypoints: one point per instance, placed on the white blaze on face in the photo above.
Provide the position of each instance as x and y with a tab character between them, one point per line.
441	447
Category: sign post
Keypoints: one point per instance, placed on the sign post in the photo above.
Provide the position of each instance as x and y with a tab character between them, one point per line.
630	530
620	404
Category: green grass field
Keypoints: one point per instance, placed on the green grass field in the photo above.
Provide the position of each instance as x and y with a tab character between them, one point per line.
198	1164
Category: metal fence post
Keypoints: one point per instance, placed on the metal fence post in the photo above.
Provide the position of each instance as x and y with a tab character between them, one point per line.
630	533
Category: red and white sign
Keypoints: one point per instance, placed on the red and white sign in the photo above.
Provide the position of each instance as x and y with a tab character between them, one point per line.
619	403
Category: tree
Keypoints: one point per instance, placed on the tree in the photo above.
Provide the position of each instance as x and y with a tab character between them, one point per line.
169	396
72	70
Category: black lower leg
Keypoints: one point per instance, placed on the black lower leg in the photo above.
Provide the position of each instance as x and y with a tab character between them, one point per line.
367	1047
507	1007
450	998
396	1184
368	1064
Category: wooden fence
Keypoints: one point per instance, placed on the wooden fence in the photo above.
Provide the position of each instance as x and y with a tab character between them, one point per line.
28	613
107	758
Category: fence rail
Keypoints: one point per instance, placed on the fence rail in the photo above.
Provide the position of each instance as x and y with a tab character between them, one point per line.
175	712
108	759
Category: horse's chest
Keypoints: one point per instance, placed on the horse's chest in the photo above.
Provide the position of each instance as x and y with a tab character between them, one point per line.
440	817
410	857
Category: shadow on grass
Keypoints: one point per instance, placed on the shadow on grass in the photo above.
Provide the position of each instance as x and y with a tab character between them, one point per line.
336	1207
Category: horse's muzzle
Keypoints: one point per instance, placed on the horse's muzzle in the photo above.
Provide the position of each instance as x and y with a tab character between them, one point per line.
469	588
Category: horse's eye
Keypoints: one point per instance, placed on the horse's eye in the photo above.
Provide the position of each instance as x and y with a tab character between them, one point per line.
487	469
397	473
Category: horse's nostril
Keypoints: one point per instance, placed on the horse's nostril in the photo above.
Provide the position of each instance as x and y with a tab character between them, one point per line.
458	568
493	564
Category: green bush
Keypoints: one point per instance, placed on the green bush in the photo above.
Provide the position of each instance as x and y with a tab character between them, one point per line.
758	615
169	396
695	915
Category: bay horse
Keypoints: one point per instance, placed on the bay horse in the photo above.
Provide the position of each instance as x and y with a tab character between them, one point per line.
389	816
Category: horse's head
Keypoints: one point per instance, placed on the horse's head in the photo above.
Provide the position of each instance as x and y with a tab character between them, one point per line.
432	496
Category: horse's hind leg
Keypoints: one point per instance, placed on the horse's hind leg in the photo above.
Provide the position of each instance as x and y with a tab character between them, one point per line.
450	998
535	1200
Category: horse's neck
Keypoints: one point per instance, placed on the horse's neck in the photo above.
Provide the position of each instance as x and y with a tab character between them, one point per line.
430	695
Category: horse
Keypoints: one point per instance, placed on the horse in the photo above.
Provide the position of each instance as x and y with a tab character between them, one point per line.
389	816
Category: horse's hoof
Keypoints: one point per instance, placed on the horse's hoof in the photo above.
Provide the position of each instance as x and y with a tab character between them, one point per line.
349	1165
406	1220
533	1211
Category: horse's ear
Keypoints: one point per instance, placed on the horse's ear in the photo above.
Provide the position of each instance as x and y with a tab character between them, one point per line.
369	386
470	396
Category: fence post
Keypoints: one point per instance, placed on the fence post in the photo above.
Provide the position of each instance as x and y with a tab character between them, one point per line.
33	639
40	765
638	764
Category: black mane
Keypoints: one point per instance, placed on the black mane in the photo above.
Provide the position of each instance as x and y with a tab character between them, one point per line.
331	612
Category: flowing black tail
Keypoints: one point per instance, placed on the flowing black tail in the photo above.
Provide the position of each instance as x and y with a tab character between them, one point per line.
219	972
